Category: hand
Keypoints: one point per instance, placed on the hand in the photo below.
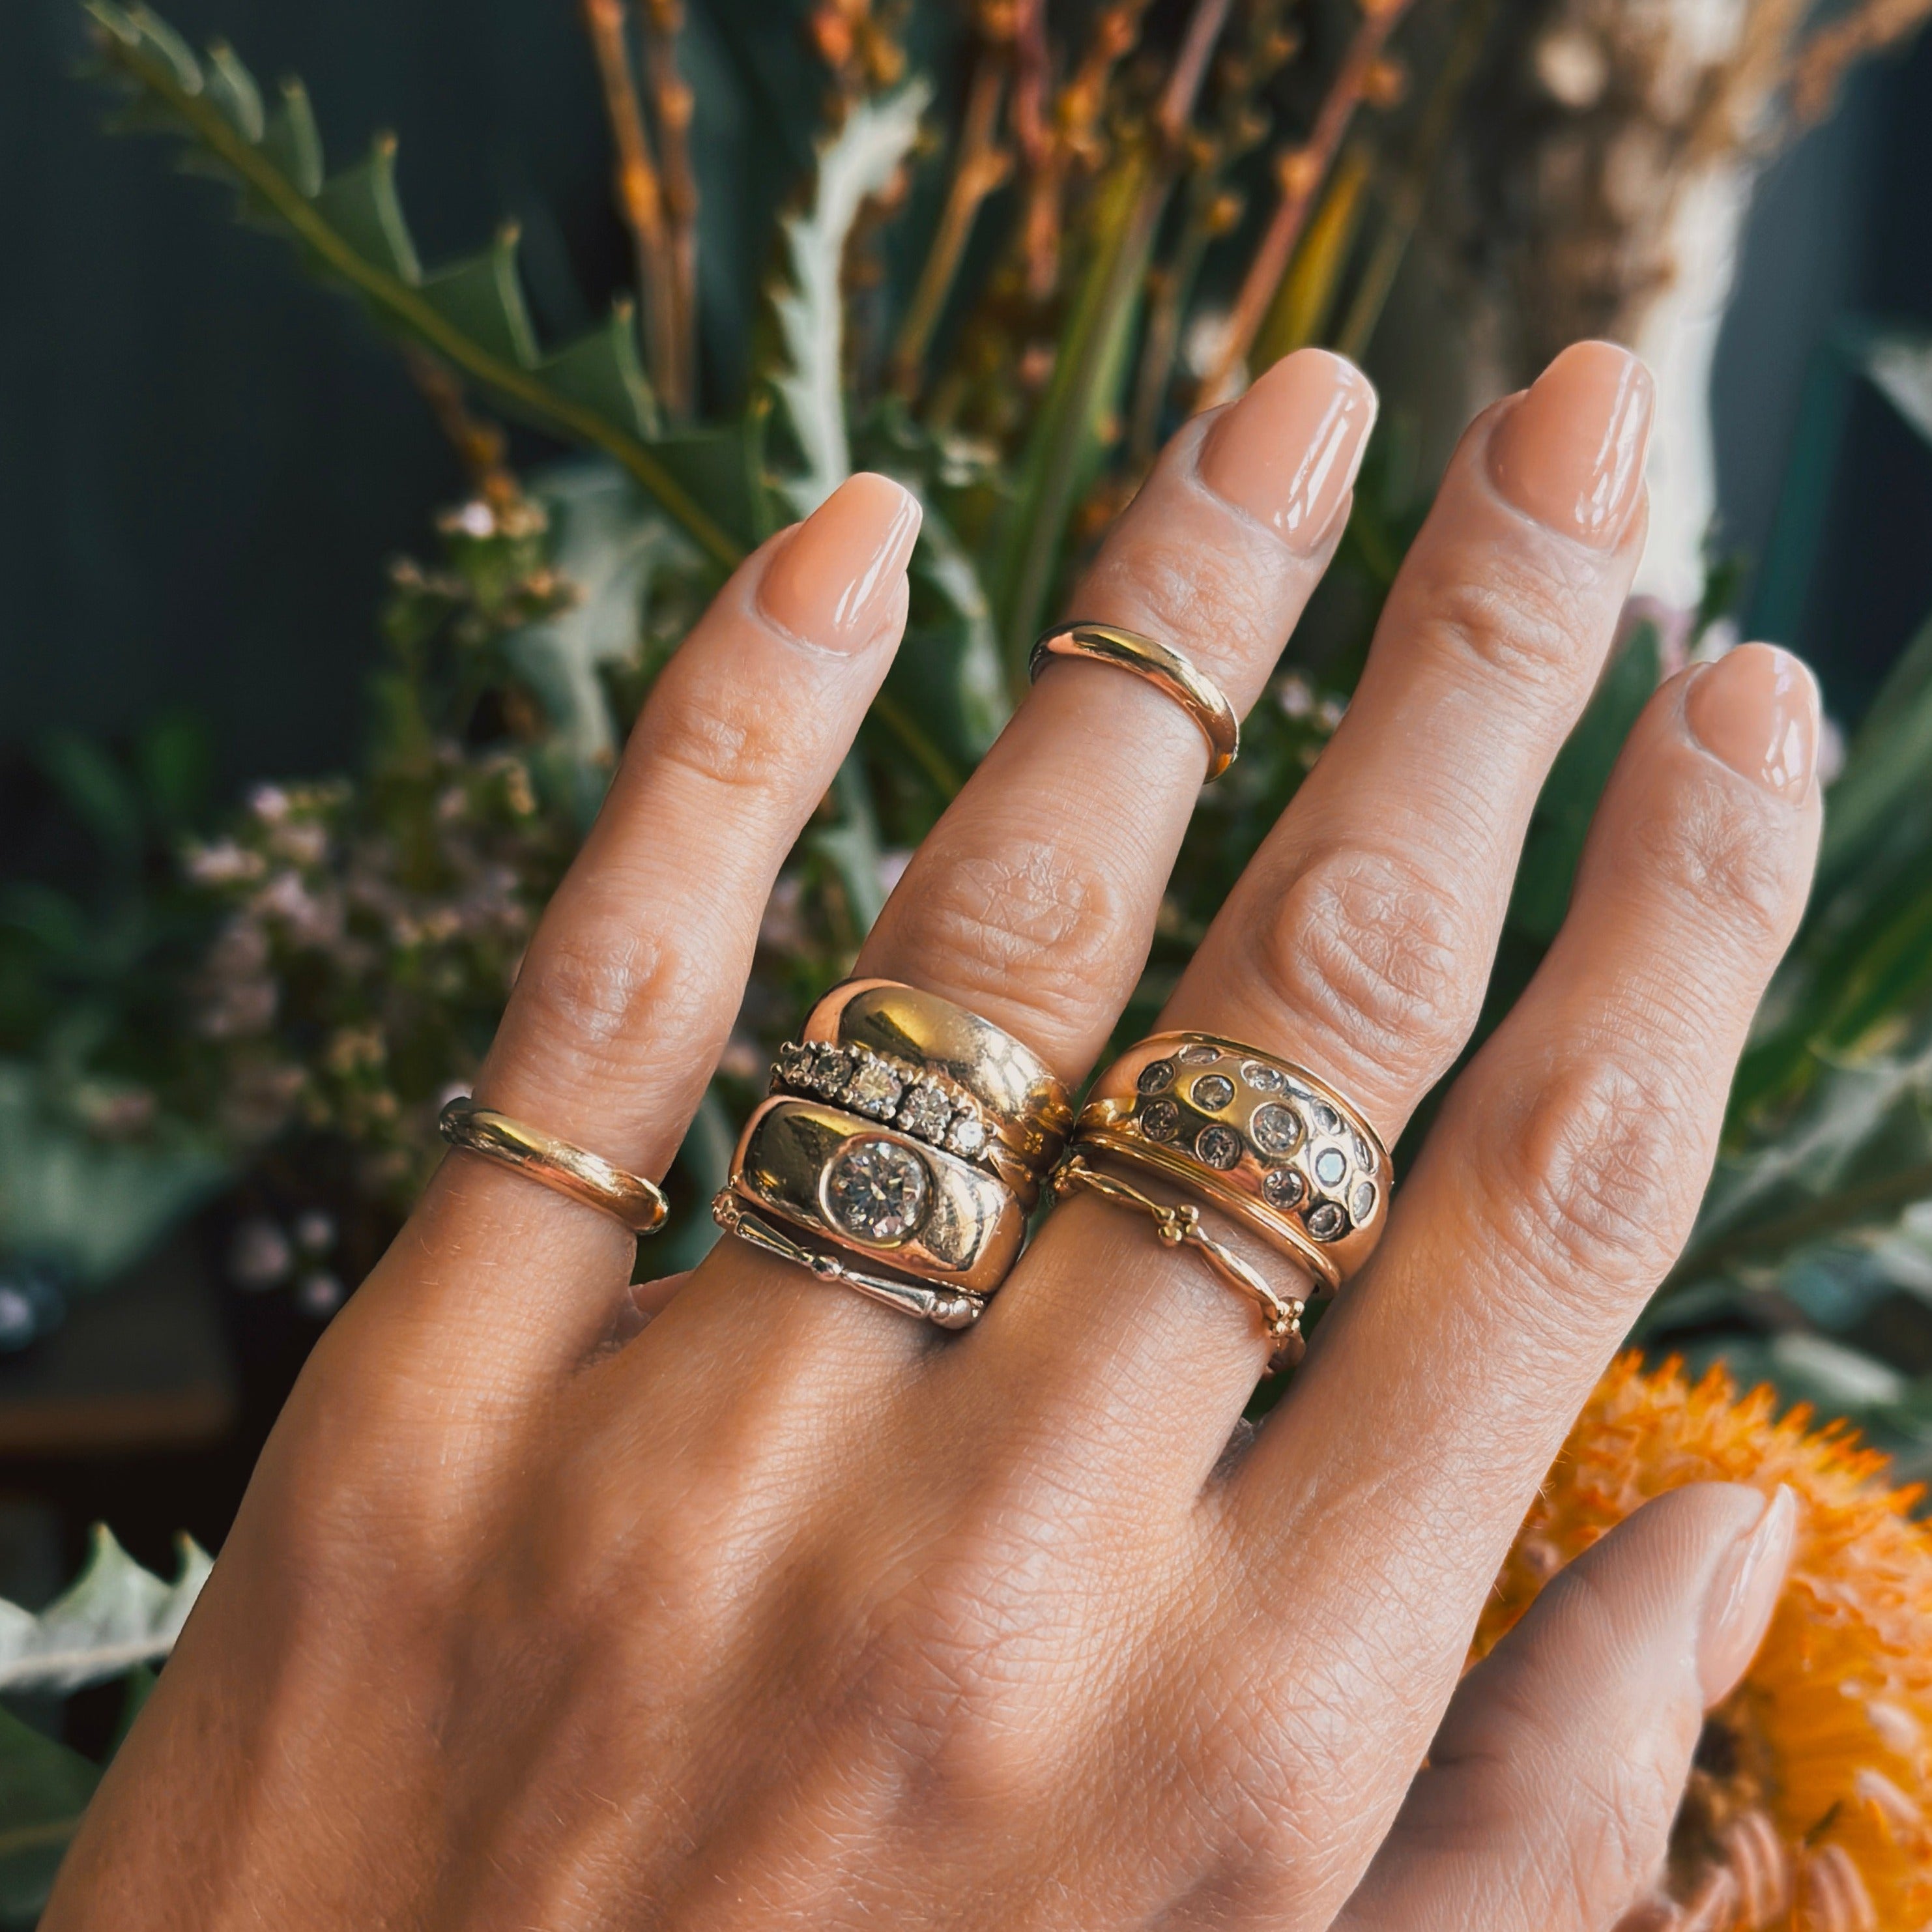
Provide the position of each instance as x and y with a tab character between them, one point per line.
788	1612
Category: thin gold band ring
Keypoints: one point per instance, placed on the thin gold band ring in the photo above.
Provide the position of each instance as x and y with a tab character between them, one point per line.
1159	665
566	1169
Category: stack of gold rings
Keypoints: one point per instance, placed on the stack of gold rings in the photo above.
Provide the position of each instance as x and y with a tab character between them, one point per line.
1260	1141
903	1129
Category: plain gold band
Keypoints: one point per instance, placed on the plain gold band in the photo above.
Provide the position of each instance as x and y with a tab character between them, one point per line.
568	1170
1163	667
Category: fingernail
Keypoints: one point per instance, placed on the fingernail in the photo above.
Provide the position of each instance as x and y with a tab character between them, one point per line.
1743	1594
1287	453
835	579
1571	453
1756	708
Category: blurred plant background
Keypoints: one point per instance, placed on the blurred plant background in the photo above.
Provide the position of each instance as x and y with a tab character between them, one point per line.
659	283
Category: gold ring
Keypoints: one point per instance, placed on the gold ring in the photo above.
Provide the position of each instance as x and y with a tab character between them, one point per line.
1180	1227
1163	667
569	1170
1266	1142
908	1131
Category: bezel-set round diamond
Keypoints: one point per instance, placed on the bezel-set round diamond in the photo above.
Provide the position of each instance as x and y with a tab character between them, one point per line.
1160	1119
1326	1118
1219	1146
1263	1077
1326	1221
1275	1128
1283	1187
876	1191
1198	1054
1212	1092
1362	1202
1156	1077
1331	1167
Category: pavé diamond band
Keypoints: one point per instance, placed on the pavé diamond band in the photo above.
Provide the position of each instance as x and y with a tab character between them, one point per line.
1262	1139
903	1128
1155	664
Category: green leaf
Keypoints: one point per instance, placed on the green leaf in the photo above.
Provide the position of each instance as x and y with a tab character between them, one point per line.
353	229
1887	771
114	1616
95	789
1568	802
858	164
1900	366
602	372
44	1790
232	89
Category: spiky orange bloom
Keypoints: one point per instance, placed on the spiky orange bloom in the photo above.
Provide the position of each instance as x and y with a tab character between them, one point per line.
1810	1807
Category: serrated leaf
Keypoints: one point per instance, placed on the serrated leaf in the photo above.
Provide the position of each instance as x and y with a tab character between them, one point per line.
362	204
115	1615
293	142
44	1790
858	164
232	89
602	372
483	297
159	38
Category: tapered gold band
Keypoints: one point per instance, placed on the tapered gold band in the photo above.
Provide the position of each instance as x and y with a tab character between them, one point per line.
566	1168
1159	665
1262	1139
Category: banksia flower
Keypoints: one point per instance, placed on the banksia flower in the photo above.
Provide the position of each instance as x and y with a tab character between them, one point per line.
1808	1805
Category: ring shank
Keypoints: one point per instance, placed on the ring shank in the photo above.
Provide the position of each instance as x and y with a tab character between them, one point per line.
1165	669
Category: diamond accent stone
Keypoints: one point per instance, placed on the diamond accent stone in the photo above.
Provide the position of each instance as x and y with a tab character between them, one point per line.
1275	1128
795	1064
1160	1119
925	1111
1326	1222
1283	1187
1212	1092
1365	1155
1198	1054
1331	1167
831	1068
1326	1118
1263	1077
1362	1202
874	1088
1219	1146
968	1135
1156	1077
876	1190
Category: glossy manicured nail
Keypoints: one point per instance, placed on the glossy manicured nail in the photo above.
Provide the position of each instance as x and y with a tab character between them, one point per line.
835	579
1743	1594
1287	453
1571	453
1756	708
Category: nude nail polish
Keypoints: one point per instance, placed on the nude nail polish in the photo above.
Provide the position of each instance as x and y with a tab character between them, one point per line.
1743	1594
1570	453
1287	453
1756	708
834	581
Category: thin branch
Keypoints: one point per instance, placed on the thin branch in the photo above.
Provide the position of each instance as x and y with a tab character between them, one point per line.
1302	170
672	102
1190	69
640	192
479	444
980	167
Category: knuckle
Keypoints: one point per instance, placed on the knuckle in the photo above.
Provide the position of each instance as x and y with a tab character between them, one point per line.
727	733
1598	1175
602	975
1382	954
1519	615
1710	849
1036	923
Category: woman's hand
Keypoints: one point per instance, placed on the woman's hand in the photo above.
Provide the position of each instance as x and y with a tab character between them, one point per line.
788	1611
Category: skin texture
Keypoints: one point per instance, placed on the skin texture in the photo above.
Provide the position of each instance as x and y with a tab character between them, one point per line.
783	1612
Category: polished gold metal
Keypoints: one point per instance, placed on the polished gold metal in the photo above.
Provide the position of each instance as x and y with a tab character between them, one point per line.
935	1070
1161	666
1180	1227
944	1308
567	1169
1269	1144
870	1188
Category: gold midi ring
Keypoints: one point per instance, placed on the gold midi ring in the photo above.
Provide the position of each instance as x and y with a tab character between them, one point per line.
1262	1139
1180	1227
1163	667
582	1176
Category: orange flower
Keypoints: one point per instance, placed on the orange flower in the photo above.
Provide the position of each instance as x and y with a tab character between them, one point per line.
1810	1804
